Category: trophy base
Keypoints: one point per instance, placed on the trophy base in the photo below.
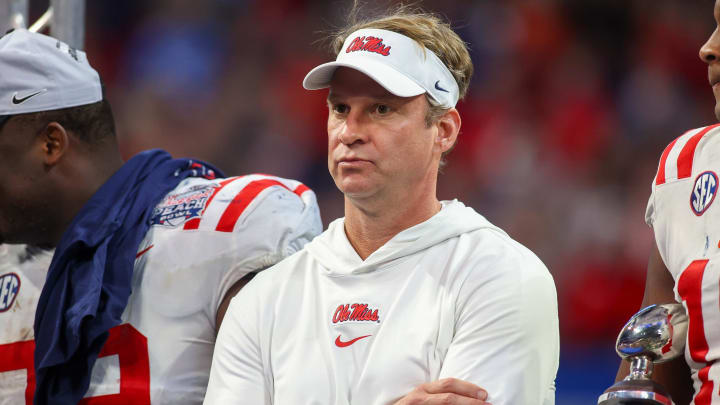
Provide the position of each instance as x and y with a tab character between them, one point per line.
635	392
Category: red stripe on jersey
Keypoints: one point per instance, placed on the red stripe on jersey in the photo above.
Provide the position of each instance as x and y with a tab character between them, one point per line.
192	224
19	356
685	159
668	345
689	289
660	178
195	222
142	252
131	348
704	395
299	190
231	215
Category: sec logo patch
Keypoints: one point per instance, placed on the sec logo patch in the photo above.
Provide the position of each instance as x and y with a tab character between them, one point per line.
703	192
9	287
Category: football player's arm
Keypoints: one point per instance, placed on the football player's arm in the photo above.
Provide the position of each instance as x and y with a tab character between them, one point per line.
280	223
507	338
674	375
232	292
237	375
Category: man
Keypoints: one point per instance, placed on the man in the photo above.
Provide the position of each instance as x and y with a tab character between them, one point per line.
406	299
148	252
684	264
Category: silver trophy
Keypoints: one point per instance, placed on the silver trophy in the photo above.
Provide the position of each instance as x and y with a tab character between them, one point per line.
656	334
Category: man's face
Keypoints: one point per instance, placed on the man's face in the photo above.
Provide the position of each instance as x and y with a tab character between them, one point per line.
23	202
379	143
710	54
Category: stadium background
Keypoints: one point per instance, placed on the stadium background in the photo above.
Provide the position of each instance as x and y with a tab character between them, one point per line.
571	104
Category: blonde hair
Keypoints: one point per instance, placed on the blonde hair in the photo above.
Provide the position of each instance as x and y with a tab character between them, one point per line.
428	30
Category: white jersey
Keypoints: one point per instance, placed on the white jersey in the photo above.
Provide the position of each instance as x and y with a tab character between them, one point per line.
22	276
686	224
206	235
453	296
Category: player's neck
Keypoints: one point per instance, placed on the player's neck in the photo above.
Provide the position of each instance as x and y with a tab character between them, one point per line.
369	225
82	180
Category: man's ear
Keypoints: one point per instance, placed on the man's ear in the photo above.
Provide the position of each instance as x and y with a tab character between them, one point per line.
448	130
54	141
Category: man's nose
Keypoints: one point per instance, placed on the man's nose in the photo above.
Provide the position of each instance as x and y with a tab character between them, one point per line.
710	51
354	129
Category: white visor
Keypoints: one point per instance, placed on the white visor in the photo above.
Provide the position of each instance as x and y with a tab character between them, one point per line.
394	61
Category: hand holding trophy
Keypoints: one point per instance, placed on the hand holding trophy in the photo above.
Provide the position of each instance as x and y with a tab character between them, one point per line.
654	335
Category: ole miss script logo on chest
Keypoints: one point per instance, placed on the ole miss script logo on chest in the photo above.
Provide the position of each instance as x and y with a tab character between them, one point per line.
355	313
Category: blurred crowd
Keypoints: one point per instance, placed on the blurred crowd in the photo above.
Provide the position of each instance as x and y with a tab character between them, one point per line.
570	107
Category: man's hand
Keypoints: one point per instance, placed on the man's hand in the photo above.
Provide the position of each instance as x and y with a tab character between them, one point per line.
448	391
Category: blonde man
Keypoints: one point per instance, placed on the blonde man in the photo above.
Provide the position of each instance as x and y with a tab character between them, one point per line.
407	299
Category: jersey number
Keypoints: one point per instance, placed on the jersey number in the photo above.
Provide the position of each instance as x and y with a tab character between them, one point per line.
690	290
124	341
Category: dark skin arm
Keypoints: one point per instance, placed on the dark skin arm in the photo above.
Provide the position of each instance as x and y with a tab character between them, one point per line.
674	375
228	296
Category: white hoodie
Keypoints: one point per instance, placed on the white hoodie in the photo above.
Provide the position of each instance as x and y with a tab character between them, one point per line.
453	296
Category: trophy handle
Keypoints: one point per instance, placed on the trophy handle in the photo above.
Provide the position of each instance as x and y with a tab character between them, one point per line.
641	368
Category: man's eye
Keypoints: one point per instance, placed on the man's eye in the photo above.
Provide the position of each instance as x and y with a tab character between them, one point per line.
382	109
340	108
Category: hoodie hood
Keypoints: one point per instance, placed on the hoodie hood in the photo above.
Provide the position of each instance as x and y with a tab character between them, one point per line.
334	251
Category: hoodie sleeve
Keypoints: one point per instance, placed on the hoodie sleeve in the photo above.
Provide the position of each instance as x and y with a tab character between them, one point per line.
506	336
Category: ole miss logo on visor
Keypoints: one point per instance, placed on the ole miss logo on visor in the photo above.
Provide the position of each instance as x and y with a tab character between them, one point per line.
703	192
370	44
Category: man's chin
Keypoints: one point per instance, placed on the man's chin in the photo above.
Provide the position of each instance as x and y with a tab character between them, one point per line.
356	191
353	185
355	194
